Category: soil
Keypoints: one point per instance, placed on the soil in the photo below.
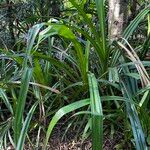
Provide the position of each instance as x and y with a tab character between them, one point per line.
70	143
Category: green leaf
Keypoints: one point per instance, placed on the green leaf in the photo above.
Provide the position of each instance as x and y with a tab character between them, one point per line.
65	32
38	72
21	103
133	75
32	34
101	15
4	97
133	25
137	130
148	139
20	144
97	114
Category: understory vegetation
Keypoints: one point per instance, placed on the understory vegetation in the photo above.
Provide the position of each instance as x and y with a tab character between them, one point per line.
63	70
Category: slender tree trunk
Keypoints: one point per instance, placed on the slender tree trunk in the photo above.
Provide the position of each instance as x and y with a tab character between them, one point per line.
10	25
117	18
55	8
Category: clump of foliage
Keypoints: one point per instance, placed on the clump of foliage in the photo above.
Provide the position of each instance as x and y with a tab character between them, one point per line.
68	65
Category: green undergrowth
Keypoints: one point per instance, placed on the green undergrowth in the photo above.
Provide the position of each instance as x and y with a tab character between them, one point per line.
69	68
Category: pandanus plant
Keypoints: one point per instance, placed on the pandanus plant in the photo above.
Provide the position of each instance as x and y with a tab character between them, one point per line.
113	74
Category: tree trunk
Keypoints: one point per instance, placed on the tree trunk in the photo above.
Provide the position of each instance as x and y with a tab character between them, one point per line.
11	19
117	18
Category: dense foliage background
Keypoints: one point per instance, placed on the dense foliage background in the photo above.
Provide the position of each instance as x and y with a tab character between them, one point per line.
78	67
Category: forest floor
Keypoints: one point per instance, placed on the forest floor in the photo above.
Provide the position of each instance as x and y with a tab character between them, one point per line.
69	142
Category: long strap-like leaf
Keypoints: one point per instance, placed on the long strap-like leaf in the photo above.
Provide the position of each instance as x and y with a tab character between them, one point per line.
20	144
21	103
97	114
134	119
